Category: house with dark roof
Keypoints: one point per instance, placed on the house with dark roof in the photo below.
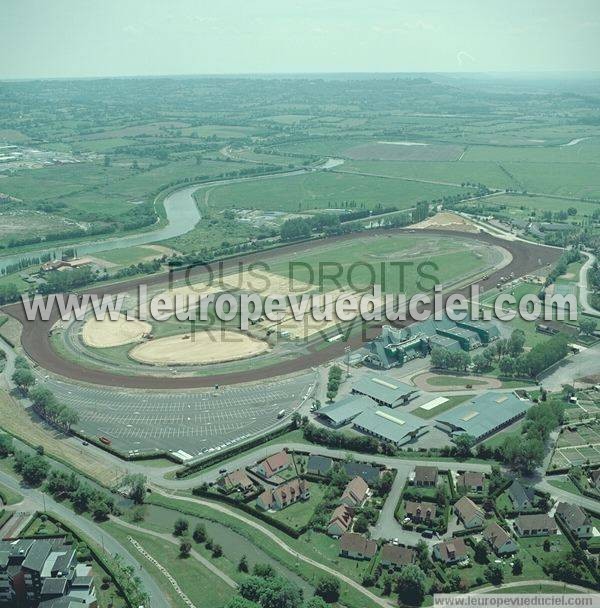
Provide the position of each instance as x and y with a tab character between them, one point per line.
501	542
319	465
43	573
520	496
273	464
426	476
471	515
355	493
420	511
471	481
340	521
357	546
397	556
451	551
576	519
535	525
595	478
368	472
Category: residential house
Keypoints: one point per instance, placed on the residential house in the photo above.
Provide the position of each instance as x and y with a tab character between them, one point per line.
576	519
499	539
355	493
235	480
420	511
471	481
284	495
395	556
340	521
535	525
357	546
469	513
319	465
426	476
521	497
451	551
273	464
368	472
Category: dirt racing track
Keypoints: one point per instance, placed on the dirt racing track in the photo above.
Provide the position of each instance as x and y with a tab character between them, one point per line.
526	257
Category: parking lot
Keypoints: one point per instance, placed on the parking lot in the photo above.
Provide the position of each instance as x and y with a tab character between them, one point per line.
193	421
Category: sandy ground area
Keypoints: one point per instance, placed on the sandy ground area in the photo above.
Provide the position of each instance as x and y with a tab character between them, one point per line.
201	348
265	283
447	221
308	326
108	333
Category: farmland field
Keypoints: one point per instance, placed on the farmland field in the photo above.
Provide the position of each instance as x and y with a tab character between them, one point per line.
320	191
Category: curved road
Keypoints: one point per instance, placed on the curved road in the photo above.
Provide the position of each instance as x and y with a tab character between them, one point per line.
42	502
583	285
526	257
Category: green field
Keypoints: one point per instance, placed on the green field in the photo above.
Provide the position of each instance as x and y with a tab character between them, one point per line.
319	191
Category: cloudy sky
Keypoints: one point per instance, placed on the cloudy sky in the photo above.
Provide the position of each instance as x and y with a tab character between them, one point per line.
72	38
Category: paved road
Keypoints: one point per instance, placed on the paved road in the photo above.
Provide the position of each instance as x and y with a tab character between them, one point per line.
584	286
250	458
272	536
169	539
42	502
585	363
387	527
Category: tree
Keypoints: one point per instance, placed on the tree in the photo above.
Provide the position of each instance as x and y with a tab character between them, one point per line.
217	550
361	524
23	378
328	588
185	548
137	487
263	570
494	574
587	326
243	564
199	534
100	509
410	585
481	552
480	364
295	228
33	469
507	365
517	567
181	525
440	358
516	342
464	443
6	445
314	602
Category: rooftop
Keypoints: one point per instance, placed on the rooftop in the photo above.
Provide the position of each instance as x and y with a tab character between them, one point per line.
346	408
383	388
483	413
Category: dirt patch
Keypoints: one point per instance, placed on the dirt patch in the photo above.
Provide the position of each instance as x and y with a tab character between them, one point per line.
201	348
447	221
108	333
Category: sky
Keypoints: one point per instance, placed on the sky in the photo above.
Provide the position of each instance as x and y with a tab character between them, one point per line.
97	38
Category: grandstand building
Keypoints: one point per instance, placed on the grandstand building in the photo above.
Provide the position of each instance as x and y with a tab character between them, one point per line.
394	347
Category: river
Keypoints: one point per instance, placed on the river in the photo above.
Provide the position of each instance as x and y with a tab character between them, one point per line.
181	212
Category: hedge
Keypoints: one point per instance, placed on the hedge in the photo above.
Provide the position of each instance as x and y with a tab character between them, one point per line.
293	532
226	454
